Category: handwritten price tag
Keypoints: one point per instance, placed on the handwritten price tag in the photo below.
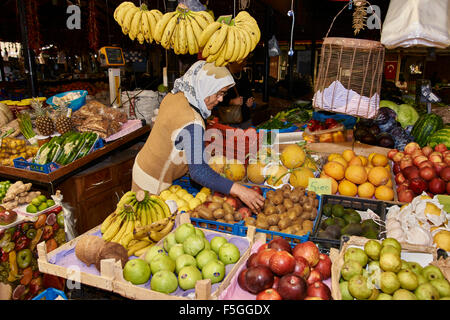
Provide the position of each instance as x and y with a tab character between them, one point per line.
320	185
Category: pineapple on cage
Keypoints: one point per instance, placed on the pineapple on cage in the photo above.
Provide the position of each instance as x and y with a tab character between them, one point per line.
63	122
43	123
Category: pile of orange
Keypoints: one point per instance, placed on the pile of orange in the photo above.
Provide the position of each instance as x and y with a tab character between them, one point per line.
359	176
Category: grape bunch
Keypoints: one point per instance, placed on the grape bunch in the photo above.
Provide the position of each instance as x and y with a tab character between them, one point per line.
4	186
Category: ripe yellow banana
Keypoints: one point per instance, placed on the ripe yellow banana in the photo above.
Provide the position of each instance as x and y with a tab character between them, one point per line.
107	222
135	25
158	235
220	61
191	40
175	41
159	211
157	14
230	43
207	47
118	12
161	25
162	204
168	32
145	27
248	43
113	228
214	57
152	23
141	214
197	30
126	26
137	246
182	40
142	251
237	46
220	39
128	234
121	231
201	21
243	45
206	16
208	33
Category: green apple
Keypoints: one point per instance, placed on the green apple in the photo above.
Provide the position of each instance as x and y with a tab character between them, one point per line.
442	286
217	242
164	281
432	273
36	202
229	253
162	262
42	198
136	271
188	277
42	206
23	258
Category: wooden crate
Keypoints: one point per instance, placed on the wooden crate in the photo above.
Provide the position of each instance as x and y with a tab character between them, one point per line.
111	275
422	254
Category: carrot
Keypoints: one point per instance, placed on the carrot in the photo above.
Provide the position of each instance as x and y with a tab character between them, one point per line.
40	222
27	276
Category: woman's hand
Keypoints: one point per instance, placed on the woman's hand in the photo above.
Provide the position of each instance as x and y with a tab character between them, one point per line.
250	102
251	198
237	101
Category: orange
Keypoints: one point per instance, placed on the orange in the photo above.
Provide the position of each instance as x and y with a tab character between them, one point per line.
389	183
334	169
334	184
378	176
379	160
363	160
356	161
369	158
367	169
341	161
384	193
366	190
300	177
356	174
347	188
348	155
332	156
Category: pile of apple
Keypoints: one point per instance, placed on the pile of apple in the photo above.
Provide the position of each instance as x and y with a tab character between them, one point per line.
278	272
417	170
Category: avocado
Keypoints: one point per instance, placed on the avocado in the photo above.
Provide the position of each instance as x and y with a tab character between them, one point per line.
339	221
370	233
369	223
352	229
324	235
334	231
327	209
327	222
351	217
337	210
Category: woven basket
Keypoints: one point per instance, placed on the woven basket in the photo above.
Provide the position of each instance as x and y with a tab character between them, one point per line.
349	76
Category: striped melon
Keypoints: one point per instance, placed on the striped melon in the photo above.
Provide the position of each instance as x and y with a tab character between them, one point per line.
440	136
425	127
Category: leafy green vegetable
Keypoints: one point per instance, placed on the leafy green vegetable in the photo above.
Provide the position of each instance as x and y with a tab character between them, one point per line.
407	115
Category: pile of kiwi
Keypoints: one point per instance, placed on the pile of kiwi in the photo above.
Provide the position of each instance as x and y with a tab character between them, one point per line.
337	221
287	210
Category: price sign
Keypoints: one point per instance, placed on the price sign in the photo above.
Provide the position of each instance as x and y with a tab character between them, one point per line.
320	185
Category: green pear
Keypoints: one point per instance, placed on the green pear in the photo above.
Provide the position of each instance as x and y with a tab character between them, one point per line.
405	265
351	268
389	282
345	294
373	266
392	242
390	262
375	294
391	249
356	254
403	294
427	291
415	267
421	279
442	286
358	288
432	273
373	248
408	279
445	298
384	296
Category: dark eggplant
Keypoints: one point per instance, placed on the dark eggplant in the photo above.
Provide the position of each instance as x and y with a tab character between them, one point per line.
359	133
369	139
384	115
388	125
385	140
365	122
374	129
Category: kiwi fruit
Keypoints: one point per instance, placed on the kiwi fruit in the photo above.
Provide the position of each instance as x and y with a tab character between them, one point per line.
250	221
286	187
298	207
284	223
274	228
334	231
273	219
294	197
237	216
291	214
280	209
286	193
229	217
277	199
219	213
262	224
270	194
287	203
269	210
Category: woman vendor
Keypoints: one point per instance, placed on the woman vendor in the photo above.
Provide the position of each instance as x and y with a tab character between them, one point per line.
176	142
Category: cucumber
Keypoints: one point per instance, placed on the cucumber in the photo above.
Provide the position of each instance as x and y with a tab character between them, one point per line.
90	141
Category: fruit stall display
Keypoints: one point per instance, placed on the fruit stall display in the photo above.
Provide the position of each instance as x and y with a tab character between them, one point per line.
19	236
421	169
387	270
278	271
329	130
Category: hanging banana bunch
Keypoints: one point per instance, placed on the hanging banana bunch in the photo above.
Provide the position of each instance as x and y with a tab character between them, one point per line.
137	22
181	29
223	43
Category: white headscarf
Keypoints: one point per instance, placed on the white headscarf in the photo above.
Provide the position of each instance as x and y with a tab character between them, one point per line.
200	81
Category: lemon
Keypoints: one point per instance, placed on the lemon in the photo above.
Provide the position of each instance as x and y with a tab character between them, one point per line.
201	196
431	208
194	203
442	239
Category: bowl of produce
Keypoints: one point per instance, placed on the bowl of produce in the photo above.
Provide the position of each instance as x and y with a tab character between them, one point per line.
75	99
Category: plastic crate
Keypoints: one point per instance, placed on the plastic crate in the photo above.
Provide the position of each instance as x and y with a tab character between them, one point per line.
50	294
358	204
74	104
230	228
186	183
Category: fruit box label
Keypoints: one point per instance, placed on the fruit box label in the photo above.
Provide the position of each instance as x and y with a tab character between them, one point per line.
319	185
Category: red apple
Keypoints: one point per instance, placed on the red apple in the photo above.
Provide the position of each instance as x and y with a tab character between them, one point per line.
427	173
411	147
405	195
280	244
398	156
314	276
392	153
241	279
245	212
281	263
417	153
437	186
257	189
263	247
264	257
232	202
435	157
252	261
402	188
319	289
301	268
418	185
427	163
292	287
411	172
439	166
447	159
448	187
313	298
324	266
440	147
418	160
269	294
396	168
399	178
258	279
427	150
406	162
445	174
275	282
307	250
445	153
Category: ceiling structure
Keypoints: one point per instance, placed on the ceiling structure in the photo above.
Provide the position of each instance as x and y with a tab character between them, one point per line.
312	20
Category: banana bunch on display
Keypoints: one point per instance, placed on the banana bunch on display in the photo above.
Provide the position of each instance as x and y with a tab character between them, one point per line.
181	30
139	221
223	43
137	22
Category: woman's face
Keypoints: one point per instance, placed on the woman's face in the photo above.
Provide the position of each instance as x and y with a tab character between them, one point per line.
214	99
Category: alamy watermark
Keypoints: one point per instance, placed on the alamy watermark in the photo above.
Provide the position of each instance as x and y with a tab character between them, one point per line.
374	20
74	20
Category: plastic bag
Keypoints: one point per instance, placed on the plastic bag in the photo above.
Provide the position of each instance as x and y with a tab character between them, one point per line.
417	23
69	220
141	104
274	49
193	5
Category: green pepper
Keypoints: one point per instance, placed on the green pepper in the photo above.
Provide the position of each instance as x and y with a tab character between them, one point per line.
31	233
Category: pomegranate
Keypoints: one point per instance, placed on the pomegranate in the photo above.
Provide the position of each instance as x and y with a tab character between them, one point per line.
281	263
324	266
418	185
269	294
258	279
406	195
307	250
445	174
319	289
280	244
411	172
427	173
292	287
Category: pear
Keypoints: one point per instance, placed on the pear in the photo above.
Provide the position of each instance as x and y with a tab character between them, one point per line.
432	273
389	282
345	294
392	242
408	279
375	294
405	265
373	248
442	286
356	254
390	262
373	266
403	294
421	279
427	291
391	249
384	296
415	267
357	286
351	268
